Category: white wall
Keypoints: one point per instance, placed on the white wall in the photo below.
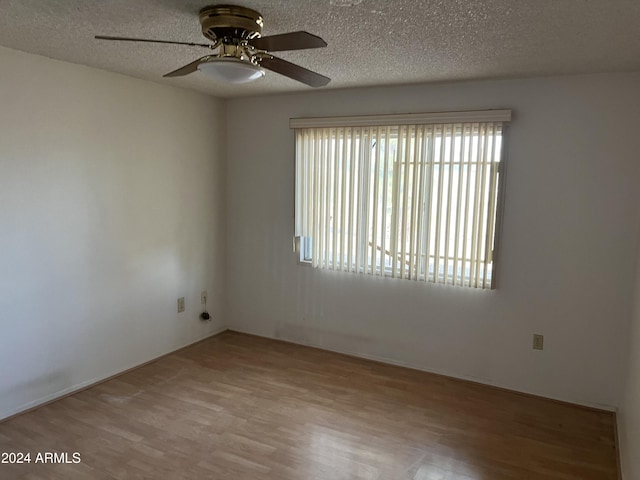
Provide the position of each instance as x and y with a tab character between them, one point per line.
629	414
112	205
569	235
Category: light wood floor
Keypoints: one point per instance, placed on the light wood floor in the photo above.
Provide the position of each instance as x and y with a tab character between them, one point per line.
242	407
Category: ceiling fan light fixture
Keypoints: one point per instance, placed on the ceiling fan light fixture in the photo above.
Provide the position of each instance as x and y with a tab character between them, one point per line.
231	70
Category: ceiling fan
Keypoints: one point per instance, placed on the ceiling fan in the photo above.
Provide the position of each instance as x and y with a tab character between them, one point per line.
241	53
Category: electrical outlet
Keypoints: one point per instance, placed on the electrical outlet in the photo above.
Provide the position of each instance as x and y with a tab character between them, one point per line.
203	297
538	341
181	304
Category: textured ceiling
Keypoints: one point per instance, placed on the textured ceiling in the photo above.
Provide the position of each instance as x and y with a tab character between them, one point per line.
371	42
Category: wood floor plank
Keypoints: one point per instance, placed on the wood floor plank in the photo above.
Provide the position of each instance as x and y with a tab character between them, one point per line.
243	407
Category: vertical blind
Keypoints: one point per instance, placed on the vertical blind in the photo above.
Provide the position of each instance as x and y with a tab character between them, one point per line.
414	201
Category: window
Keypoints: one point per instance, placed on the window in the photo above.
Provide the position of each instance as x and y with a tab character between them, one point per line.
407	196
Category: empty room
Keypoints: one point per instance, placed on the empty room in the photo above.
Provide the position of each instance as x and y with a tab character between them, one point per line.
320	239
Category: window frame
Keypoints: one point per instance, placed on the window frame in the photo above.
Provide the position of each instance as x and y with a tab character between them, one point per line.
302	245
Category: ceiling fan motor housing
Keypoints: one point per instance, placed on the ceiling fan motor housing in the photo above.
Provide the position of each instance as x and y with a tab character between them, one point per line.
230	23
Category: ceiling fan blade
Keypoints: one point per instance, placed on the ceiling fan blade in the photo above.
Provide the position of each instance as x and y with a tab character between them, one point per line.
294	71
127	39
288	41
188	68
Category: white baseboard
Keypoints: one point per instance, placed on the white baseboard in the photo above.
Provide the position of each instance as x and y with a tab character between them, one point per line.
399	363
94	381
